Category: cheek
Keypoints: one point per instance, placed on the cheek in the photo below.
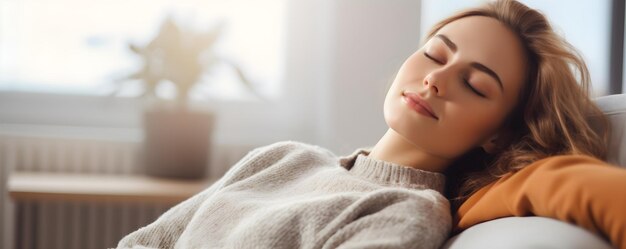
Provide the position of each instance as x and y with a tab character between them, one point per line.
408	77
412	69
391	110
472	124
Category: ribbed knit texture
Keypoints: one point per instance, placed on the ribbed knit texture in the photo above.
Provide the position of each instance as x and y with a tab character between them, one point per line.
391	174
295	195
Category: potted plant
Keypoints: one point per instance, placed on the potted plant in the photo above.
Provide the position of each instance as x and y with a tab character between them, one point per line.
177	139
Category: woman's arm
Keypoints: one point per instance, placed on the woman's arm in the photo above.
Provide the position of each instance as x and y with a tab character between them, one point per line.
576	189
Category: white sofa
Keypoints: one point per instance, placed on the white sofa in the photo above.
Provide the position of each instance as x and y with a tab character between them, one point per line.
546	233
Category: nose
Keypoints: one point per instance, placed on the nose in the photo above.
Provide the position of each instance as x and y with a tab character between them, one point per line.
434	83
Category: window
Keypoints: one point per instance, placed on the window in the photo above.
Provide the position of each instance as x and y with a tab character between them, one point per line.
81	47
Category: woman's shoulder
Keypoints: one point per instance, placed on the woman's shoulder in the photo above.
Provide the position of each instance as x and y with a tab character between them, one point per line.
280	155
284	148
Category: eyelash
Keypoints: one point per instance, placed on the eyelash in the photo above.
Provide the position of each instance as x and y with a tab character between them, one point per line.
473	89
465	82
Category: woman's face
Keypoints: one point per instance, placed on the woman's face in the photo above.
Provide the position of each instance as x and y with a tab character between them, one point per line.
454	93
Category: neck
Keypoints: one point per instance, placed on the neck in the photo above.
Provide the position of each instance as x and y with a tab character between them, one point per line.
394	148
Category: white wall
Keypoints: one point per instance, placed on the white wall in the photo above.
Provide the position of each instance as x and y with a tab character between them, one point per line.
342	57
370	41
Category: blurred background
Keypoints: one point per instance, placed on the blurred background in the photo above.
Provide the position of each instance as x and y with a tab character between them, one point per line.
179	91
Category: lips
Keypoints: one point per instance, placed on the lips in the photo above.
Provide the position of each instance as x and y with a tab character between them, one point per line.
420	105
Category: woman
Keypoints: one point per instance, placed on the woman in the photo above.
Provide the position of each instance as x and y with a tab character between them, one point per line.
490	100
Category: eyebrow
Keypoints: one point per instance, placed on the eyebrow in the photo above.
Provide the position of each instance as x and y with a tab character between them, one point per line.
476	65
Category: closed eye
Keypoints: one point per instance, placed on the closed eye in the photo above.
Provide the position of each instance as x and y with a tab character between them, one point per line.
473	89
432	59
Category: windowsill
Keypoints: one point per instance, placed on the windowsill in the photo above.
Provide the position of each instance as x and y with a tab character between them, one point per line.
77	132
27	186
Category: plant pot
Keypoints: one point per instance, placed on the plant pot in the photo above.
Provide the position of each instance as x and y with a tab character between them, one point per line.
177	143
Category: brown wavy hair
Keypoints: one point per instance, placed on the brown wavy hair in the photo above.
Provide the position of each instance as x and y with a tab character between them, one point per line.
554	115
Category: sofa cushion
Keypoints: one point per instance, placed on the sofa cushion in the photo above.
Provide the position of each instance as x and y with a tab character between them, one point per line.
526	232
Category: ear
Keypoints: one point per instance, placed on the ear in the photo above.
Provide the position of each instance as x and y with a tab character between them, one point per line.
491	145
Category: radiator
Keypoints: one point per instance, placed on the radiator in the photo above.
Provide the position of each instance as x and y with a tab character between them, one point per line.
80	225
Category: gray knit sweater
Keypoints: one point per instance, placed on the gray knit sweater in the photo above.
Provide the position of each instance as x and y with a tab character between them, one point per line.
295	195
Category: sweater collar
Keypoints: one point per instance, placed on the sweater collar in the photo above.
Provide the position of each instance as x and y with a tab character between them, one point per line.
387	173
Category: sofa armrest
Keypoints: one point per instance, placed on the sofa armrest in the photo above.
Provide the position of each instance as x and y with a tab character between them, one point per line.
526	232
614	107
